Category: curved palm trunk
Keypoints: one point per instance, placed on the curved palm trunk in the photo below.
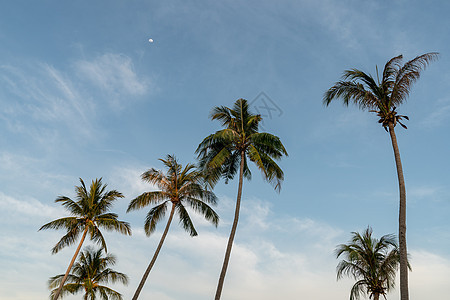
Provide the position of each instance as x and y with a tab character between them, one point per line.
152	262
233	230
71	264
404	294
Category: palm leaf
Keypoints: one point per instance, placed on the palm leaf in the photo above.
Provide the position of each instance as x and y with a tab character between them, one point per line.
72	206
153	217
68	239
146	199
204	209
408	74
185	220
109	222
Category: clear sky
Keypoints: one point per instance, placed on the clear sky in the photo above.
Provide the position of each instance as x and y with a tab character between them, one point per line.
83	93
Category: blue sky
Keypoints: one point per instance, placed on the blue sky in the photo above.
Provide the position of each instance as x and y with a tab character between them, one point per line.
84	94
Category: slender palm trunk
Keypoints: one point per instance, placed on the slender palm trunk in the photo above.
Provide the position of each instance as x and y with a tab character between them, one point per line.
404	294
152	262
233	230
71	264
376	296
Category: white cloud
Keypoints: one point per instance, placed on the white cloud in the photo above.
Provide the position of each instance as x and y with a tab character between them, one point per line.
423	191
15	167
439	115
114	74
127	179
49	100
429	276
261	267
343	21
25	208
45	100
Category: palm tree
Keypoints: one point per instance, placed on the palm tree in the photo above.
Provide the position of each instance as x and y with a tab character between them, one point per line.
383	98
372	262
90	212
178	186
222	153
88	274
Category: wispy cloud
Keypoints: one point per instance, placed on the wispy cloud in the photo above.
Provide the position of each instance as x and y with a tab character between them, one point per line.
127	179
439	116
428	193
23	209
40	101
45	98
114	75
16	167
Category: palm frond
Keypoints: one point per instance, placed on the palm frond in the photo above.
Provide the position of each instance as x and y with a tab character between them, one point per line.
204	209
72	206
108	293
97	237
357	289
408	74
272	173
146	199
349	92
107	200
155	177
390	72
67	223
153	217
69	288
230	166
357	75
110	222
68	239
185	220
55	281
269	144
222	114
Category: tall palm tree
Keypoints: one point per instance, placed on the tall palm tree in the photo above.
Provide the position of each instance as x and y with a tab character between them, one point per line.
88	274
90	212
224	152
372	262
178	186
383	98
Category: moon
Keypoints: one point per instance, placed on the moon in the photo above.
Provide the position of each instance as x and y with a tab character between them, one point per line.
150	40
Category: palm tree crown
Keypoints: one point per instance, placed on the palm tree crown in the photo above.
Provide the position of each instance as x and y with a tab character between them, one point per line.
89	211
178	186
220	152
381	97
89	273
372	262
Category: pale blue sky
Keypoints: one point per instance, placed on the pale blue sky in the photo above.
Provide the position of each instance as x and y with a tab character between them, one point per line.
84	94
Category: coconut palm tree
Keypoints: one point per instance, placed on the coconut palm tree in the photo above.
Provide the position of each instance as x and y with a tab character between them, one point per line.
178	186
225	152
90	212
372	262
383	98
88	274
